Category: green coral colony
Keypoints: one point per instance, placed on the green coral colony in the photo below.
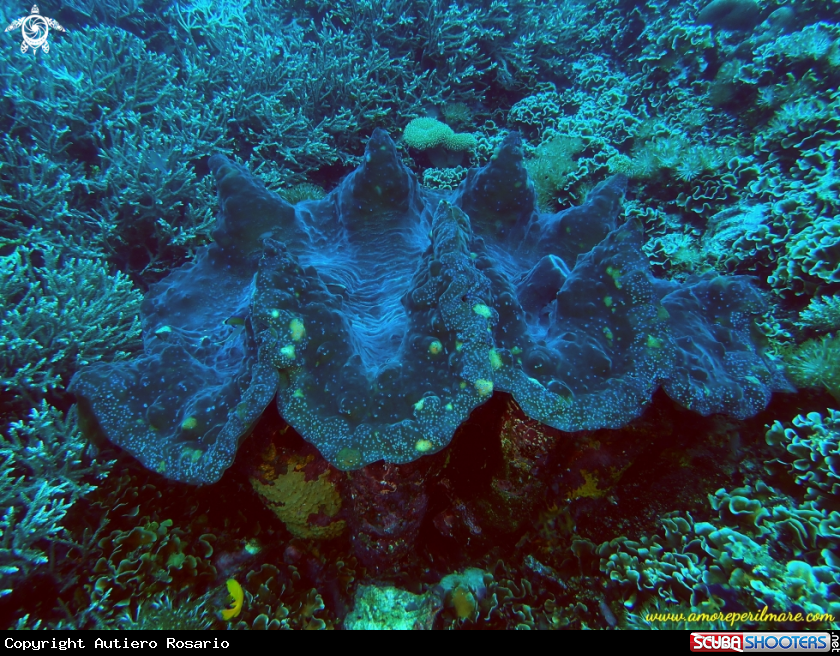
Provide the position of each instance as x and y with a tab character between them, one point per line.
509	315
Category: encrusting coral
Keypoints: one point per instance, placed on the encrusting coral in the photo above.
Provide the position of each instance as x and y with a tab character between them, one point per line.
301	490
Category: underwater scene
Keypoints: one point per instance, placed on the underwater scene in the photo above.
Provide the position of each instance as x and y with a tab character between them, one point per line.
420	314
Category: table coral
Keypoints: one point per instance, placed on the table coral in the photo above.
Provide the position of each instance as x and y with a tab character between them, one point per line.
382	315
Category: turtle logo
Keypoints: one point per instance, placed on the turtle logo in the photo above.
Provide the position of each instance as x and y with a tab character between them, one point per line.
35	29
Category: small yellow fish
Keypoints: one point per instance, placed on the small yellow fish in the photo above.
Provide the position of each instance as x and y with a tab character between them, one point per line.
237	596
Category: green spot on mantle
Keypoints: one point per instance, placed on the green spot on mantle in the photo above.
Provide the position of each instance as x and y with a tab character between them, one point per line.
482	310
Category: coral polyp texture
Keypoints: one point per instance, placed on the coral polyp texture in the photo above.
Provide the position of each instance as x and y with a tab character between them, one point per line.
381	315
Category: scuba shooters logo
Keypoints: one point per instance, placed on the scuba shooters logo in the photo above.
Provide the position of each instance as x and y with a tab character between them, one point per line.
766	641
35	29
717	642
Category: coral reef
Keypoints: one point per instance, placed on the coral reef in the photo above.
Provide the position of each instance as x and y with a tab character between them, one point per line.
388	608
813	454
46	466
275	604
816	363
388	504
424	133
301	489
60	313
160	613
712	566
822	314
516	487
535	396
148	560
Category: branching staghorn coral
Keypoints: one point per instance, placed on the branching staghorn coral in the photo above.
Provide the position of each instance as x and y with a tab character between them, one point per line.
102	142
45	467
59	313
